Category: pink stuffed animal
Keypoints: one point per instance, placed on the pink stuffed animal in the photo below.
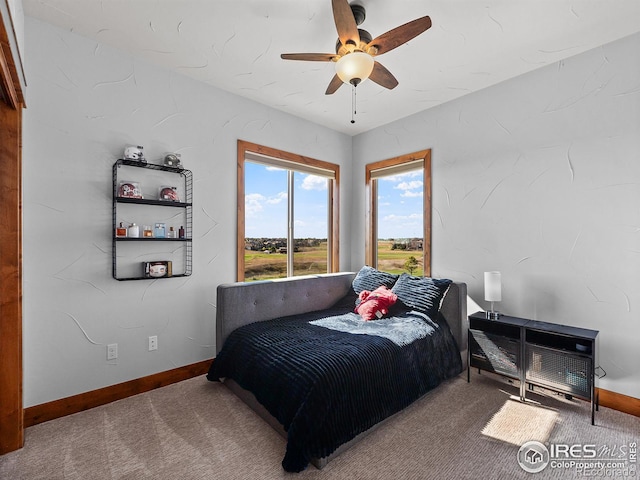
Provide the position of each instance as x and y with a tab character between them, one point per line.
374	305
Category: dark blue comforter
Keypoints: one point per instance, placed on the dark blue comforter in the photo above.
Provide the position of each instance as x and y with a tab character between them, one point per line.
327	386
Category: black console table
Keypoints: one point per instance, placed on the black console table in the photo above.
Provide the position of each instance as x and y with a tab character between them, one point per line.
556	357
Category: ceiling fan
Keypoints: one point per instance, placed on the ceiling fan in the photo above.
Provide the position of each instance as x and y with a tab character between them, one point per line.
355	47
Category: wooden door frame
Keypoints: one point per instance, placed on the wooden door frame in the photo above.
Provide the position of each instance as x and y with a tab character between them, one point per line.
11	104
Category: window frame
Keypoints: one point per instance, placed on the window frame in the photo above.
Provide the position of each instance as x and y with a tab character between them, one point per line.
333	202
372	194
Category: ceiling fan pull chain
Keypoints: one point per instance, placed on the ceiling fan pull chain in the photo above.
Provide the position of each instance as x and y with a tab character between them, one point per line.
353	103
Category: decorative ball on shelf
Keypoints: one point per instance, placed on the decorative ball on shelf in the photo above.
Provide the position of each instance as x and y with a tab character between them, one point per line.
157	271
134	153
172	160
130	190
169	194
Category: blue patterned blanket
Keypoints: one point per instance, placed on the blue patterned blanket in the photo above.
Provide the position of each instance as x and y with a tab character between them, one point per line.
400	329
324	385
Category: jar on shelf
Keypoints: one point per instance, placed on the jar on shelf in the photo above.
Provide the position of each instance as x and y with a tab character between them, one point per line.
160	230
121	231
133	231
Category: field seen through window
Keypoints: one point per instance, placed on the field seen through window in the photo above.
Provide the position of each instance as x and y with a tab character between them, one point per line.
265	259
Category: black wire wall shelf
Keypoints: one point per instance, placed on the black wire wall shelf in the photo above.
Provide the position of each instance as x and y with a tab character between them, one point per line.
183	255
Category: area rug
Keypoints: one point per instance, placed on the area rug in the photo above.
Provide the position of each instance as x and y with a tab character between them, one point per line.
519	422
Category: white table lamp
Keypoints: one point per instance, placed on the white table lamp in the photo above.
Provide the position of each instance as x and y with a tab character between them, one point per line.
492	291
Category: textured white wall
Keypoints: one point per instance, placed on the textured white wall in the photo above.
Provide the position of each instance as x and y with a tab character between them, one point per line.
86	103
538	177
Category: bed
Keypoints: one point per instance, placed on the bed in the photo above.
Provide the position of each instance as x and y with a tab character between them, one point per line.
296	352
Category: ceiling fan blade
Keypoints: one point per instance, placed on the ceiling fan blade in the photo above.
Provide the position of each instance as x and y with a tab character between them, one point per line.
345	22
309	57
334	85
400	35
383	77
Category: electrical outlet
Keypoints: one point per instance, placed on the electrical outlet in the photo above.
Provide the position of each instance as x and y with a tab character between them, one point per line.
112	351
153	343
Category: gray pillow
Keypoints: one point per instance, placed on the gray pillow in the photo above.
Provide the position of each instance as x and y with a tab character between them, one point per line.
421	293
368	278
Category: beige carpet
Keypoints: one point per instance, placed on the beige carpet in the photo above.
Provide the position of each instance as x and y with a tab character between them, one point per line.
199	430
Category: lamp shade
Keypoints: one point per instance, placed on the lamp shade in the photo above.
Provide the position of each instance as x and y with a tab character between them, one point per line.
354	67
492	286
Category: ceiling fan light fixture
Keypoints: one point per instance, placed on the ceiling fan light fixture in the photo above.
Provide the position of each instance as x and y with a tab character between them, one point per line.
355	67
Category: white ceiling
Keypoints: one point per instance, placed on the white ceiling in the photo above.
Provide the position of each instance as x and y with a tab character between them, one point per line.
236	46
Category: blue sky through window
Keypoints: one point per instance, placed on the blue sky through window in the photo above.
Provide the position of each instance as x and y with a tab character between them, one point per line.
399	204
266	203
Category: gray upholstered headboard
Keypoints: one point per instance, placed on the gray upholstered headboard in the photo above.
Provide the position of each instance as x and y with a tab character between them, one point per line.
241	303
454	309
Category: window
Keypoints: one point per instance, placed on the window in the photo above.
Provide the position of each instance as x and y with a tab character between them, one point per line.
398	235
287	214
